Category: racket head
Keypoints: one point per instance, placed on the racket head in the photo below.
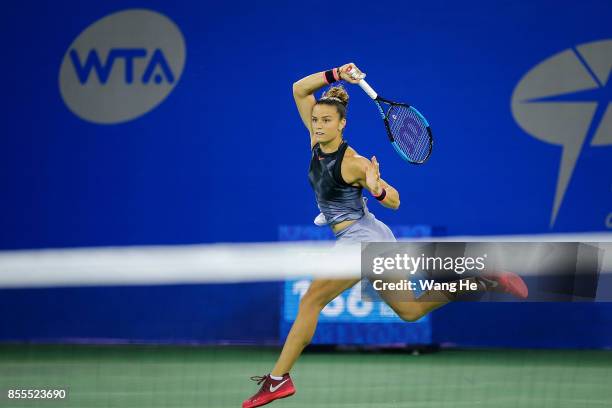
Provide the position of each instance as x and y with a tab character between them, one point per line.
408	131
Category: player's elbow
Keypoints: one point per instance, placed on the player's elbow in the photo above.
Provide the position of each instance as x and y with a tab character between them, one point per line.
298	90
392	205
396	203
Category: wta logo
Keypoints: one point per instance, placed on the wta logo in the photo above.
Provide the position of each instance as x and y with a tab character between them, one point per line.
122	66
566	100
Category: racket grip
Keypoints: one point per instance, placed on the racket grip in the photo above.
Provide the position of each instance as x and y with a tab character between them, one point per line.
364	85
368	89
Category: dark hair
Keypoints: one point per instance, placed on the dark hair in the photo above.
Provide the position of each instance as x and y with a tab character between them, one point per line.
335	96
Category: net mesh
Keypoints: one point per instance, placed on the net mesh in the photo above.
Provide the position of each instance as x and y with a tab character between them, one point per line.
410	132
217	377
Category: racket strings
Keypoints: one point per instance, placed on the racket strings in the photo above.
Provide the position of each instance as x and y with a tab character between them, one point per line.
409	132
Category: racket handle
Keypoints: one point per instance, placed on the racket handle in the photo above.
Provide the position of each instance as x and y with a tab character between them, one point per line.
368	89
364	85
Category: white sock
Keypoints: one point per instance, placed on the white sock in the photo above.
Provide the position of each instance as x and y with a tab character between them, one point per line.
275	377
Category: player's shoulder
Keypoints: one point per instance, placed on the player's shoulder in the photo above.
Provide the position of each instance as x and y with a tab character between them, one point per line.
352	159
351	155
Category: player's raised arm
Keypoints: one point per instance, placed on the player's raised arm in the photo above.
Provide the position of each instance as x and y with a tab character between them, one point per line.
304	89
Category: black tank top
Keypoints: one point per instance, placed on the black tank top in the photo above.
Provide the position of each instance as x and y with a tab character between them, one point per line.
336	199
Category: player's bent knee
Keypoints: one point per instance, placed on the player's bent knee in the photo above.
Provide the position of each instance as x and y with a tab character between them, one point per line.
410	314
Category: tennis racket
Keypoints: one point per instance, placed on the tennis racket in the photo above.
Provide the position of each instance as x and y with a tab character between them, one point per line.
408	130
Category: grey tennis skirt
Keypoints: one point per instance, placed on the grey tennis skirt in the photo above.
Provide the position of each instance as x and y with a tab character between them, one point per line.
366	229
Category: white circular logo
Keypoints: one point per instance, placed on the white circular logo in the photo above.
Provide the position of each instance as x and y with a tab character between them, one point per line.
122	66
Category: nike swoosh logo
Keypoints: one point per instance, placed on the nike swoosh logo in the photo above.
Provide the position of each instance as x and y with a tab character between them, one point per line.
273	388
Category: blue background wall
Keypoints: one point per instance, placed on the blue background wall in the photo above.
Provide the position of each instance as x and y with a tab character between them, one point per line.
204	164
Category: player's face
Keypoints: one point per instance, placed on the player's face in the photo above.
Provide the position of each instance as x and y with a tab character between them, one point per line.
326	123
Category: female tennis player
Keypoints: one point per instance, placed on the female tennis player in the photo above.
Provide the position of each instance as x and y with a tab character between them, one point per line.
338	176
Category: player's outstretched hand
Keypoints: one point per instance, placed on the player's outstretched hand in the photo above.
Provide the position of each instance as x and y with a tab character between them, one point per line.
372	173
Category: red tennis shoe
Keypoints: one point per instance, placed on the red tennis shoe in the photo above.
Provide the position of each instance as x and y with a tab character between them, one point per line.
507	282
270	390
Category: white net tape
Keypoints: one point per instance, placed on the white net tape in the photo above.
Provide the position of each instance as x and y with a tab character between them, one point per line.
211	263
